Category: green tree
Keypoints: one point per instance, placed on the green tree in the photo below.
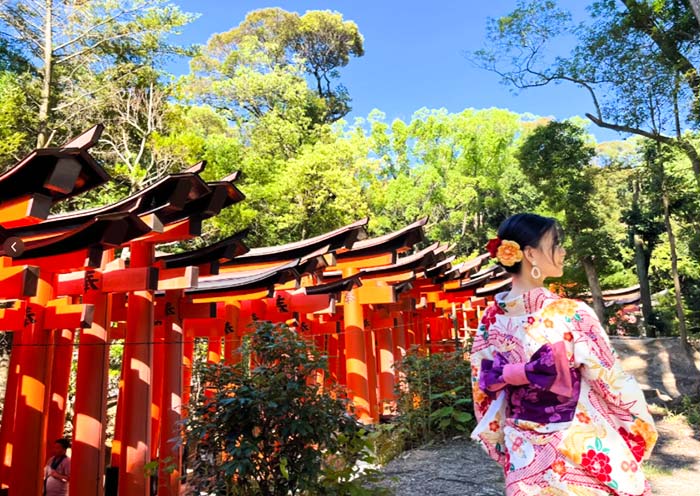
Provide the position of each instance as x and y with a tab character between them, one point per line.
557	158
325	42
635	58
16	117
671	192
134	116
643	216
263	64
457	169
67	42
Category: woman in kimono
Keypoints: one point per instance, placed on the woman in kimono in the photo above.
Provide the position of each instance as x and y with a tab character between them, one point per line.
553	405
57	470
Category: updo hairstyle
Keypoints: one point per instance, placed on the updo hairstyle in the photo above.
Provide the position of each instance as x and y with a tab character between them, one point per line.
528	230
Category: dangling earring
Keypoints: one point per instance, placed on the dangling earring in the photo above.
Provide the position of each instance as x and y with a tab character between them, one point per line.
535	272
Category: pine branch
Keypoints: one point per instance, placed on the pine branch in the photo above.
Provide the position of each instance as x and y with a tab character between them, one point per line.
85	33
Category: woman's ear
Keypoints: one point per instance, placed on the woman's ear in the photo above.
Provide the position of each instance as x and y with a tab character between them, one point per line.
529	254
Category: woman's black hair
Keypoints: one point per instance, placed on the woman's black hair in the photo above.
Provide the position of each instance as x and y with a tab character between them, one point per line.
65	443
528	230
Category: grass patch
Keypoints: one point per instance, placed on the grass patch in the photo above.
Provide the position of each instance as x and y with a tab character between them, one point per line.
651	470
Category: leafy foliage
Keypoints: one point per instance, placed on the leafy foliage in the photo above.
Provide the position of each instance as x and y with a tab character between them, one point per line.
457	169
265	426
434	397
635	58
276	51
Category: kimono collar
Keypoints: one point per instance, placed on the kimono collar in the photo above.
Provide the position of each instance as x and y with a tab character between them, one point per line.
525	304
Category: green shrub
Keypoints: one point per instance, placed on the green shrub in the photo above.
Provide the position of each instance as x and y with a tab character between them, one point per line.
434	397
691	409
265	427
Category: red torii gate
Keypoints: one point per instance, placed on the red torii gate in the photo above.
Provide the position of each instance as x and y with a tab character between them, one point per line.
28	190
359	301
72	243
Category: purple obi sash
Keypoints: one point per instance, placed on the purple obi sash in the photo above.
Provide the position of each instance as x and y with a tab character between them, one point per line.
543	390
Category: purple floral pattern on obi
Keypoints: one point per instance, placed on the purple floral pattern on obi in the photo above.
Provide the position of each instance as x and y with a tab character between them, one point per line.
534	404
542	390
548	369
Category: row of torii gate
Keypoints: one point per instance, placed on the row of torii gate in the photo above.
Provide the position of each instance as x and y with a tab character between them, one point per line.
66	282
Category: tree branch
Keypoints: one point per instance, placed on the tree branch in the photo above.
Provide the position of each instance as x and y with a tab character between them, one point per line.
628	129
96	26
643	20
90	48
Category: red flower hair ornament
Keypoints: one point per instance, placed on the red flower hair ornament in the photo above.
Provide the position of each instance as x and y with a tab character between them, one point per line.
508	253
492	246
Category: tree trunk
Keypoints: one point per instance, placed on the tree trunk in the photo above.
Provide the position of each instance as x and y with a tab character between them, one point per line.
692	154
596	293
47	79
695	4
674	272
643	276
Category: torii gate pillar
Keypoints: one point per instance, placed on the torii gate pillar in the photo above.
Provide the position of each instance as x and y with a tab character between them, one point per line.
171	399
356	356
90	405
31	414
137	363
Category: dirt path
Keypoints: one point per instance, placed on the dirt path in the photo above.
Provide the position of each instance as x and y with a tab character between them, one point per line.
460	467
674	467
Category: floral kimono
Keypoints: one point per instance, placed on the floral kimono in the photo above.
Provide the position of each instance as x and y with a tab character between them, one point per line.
554	406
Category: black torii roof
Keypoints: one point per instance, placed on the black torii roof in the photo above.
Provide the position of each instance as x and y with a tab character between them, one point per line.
58	172
419	260
343	237
393	241
173	198
248	280
104	231
213	254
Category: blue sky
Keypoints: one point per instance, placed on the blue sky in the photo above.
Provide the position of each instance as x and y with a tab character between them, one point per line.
414	56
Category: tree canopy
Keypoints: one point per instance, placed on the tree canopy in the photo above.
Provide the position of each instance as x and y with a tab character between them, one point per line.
266	97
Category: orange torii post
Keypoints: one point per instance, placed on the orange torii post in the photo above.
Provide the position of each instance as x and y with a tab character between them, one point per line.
357	378
156	384
76	248
383	325
90	407
135	411
34	366
399	333
18	284
359	347
231	312
135	434
60	380
171	397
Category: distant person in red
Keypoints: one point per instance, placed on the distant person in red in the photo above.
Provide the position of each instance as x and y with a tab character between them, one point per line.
57	470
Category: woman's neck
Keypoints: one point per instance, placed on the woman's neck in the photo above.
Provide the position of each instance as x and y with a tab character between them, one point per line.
522	284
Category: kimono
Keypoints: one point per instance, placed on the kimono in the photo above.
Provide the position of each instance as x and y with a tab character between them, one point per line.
553	405
52	485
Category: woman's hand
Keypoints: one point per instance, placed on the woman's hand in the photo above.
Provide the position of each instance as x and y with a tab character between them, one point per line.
58	476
